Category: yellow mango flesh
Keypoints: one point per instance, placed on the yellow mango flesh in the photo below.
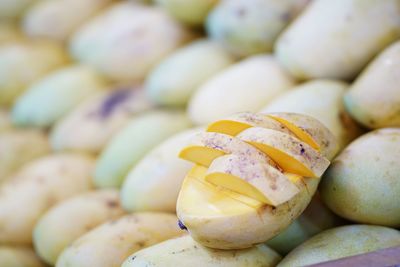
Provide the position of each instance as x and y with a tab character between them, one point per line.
302	135
210	200
200	155
285	161
228	127
237	185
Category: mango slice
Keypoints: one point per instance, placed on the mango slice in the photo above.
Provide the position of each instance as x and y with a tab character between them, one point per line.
206	147
241	121
308	130
291	154
251	178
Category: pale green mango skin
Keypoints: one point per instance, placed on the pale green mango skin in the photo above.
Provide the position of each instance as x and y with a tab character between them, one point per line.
190	12
248	27
337	39
174	80
23	63
341	242
19	256
53	97
362	182
374	98
315	219
184	251
321	99
154	183
139	38
136	139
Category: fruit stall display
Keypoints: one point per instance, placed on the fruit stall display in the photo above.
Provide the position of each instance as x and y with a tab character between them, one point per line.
210	133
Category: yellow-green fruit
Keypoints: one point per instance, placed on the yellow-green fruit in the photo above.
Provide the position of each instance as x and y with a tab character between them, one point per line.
72	218
184	251
154	183
58	19
9	32
341	242
316	218
54	96
336	39
23	63
177	77
5	121
39	185
14	9
374	98
19	256
191	12
18	147
91	125
321	99
248	27
138	37
136	139
362	182
109	244
244	86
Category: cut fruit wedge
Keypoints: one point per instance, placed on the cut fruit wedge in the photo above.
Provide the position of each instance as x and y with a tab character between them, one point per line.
241	121
310	131
291	154
207	146
252	178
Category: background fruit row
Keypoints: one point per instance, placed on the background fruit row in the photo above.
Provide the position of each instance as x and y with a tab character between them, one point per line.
97	98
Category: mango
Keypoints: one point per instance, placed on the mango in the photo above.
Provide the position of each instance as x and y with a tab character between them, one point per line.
361	183
72	218
23	63
19	256
248	27
14	9
248	176
232	186
190	12
176	78
336	39
153	183
51	98
35	188
109	244
9	32
374	99
184	251
289	153
323	100
341	242
140	37
133	142
5	121
93	123
245	86
18	147
58	19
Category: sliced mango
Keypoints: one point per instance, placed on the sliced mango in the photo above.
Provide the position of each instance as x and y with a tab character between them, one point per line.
310	131
212	199
244	120
207	146
291	154
251	178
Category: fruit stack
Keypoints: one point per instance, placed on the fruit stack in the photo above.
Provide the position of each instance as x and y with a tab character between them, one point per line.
204	133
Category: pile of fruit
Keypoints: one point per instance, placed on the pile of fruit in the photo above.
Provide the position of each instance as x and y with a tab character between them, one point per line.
192	133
